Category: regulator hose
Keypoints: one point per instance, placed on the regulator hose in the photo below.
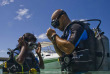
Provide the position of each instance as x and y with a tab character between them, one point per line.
95	20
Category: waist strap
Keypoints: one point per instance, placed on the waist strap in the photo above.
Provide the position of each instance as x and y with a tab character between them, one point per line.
100	54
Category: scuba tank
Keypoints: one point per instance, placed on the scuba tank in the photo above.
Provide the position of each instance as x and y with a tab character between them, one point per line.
102	52
102	49
33	71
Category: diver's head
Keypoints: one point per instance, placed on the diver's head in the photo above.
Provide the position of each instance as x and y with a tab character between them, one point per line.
25	51
31	40
29	37
60	19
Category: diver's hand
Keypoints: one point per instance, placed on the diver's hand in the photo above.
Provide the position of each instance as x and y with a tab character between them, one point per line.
50	32
38	50
22	42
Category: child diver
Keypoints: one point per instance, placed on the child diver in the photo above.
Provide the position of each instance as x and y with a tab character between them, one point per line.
23	57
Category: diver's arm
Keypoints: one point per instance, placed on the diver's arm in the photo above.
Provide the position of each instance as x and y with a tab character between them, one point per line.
41	64
38	51
73	39
21	57
64	45
58	51
24	47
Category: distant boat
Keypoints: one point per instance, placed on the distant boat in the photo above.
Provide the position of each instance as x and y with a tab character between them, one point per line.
50	59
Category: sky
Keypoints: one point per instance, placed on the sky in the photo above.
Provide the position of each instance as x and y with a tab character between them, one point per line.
21	16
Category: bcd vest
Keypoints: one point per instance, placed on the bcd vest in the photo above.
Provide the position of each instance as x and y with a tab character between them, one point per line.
83	56
30	62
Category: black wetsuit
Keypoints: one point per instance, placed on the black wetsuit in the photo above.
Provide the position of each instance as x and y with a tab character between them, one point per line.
81	58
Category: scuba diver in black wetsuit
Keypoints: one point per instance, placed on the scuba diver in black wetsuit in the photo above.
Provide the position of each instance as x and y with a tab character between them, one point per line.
72	47
23	59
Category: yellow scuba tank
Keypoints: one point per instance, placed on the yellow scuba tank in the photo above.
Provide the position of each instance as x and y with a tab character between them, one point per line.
58	59
5	65
32	71
5	68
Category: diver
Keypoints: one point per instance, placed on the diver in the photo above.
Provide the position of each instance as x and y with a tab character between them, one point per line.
23	59
76	56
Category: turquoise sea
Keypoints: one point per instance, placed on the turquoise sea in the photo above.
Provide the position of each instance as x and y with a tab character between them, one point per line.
57	71
54	68
50	68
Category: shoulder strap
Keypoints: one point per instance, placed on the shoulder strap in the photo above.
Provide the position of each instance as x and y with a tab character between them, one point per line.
82	23
66	30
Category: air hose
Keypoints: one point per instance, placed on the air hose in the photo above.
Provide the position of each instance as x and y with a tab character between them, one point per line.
95	20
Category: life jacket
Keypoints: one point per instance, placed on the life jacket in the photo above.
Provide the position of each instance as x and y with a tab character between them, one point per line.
30	62
83	57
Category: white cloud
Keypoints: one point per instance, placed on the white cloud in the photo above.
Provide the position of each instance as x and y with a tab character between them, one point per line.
11	0
5	2
23	13
21	5
42	36
1	51
28	16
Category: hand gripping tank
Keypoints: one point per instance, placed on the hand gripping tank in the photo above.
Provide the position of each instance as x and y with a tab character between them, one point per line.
102	52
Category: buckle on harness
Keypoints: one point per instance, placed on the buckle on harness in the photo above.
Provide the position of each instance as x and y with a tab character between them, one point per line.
66	60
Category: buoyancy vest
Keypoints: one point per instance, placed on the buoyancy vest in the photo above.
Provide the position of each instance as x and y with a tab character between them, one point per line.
83	57
30	62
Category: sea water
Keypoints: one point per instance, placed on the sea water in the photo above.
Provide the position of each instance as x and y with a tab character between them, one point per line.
57	71
1	71
54	68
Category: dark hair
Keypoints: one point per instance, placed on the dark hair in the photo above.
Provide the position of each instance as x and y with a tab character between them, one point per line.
27	37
